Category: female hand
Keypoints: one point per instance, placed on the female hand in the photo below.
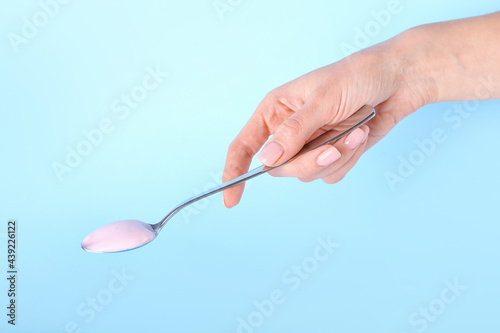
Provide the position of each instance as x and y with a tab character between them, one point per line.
304	108
387	76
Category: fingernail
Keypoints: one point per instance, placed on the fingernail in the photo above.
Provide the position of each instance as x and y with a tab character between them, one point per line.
271	153
328	156
354	138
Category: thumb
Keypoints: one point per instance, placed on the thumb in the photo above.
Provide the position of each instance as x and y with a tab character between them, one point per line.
292	135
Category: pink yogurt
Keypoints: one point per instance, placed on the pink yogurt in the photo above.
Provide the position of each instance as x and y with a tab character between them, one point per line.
119	236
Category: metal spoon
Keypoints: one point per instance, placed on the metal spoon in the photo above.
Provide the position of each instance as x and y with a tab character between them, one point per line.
131	234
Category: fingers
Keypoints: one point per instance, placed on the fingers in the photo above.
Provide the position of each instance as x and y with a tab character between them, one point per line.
239	156
340	173
291	135
291	125
336	173
326	161
356	144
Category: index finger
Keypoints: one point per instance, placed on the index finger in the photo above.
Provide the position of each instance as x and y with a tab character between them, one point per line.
240	153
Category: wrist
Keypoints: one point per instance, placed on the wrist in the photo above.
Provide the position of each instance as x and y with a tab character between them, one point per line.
451	61
418	70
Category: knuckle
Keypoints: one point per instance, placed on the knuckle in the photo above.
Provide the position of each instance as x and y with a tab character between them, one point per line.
226	175
333	179
238	152
302	171
241	146
272	96
232	171
306	179
247	149
292	127
321	93
392	119
329	181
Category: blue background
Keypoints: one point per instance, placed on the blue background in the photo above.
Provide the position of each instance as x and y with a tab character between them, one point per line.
397	246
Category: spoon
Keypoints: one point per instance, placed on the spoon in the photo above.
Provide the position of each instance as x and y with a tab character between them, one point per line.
131	234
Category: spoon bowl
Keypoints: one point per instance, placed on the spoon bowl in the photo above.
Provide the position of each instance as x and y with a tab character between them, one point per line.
119	236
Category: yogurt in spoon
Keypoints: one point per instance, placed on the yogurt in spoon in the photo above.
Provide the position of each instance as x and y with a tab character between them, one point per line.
119	236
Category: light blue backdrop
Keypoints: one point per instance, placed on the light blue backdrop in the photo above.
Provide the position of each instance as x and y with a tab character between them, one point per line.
420	256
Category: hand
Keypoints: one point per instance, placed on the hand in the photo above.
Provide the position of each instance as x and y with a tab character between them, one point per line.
304	108
397	77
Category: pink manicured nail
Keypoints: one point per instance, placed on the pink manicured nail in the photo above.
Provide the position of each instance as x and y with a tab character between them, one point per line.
271	153
328	156
355	138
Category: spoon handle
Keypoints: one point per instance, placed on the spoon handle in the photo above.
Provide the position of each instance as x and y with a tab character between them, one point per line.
358	119
345	127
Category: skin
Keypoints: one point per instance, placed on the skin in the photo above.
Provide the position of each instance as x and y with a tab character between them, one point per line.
447	61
